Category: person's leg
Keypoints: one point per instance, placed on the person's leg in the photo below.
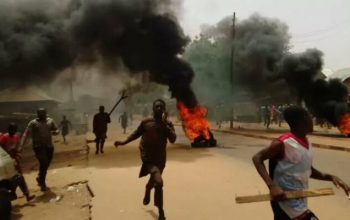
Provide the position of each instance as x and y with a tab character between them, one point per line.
5	205
40	153
97	140
49	155
40	156
102	143
20	181
158	194
11	187
149	186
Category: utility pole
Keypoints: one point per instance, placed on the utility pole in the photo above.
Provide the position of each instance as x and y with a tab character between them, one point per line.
232	65
71	95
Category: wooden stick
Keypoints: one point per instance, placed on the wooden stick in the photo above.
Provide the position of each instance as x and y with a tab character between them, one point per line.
289	195
123	96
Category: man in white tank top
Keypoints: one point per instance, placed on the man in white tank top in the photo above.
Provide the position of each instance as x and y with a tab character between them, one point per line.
290	167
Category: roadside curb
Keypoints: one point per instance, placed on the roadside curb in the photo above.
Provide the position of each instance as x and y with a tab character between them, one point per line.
316	145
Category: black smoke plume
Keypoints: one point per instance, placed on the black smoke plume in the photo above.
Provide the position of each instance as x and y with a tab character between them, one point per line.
325	99
264	66
41	38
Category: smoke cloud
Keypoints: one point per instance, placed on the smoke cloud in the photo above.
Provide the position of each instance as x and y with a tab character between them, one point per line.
325	99
264	66
39	39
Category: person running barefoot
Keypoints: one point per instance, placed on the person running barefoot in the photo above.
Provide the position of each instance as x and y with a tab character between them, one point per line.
154	133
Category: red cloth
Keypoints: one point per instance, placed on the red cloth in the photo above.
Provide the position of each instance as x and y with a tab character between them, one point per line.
288	135
9	144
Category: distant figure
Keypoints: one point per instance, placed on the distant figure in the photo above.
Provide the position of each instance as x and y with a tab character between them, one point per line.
280	111
131	117
267	119
41	129
262	112
145	112
99	125
155	133
10	143
65	125
274	114
123	120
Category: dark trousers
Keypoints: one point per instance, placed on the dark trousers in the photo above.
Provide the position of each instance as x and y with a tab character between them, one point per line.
19	181
267	120
44	156
156	181
279	214
5	204
100	141
5	200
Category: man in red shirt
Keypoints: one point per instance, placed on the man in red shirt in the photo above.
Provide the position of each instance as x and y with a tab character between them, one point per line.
9	142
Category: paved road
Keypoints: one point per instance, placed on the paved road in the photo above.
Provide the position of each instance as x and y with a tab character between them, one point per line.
201	183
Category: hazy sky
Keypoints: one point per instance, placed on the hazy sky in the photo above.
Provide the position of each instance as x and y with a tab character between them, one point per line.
322	24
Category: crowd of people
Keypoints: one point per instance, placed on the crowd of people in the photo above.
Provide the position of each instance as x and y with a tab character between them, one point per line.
272	114
40	130
289	156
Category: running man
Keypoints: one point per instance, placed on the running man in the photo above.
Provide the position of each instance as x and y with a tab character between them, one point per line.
290	167
154	133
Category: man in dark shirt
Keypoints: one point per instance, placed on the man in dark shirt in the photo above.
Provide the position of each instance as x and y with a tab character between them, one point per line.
154	133
99	125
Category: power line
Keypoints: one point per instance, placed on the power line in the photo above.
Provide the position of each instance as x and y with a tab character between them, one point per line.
321	31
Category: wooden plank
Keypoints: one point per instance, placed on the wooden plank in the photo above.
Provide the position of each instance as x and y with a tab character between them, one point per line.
289	195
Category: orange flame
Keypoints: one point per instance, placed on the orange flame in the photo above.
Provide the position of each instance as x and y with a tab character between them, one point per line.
344	124
194	121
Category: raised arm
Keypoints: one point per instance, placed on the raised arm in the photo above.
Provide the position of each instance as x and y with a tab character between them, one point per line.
171	132
316	174
274	151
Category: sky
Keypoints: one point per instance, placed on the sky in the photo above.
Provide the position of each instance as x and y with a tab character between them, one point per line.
322	24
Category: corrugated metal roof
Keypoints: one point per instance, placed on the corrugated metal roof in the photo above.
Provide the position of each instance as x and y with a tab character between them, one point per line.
24	94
